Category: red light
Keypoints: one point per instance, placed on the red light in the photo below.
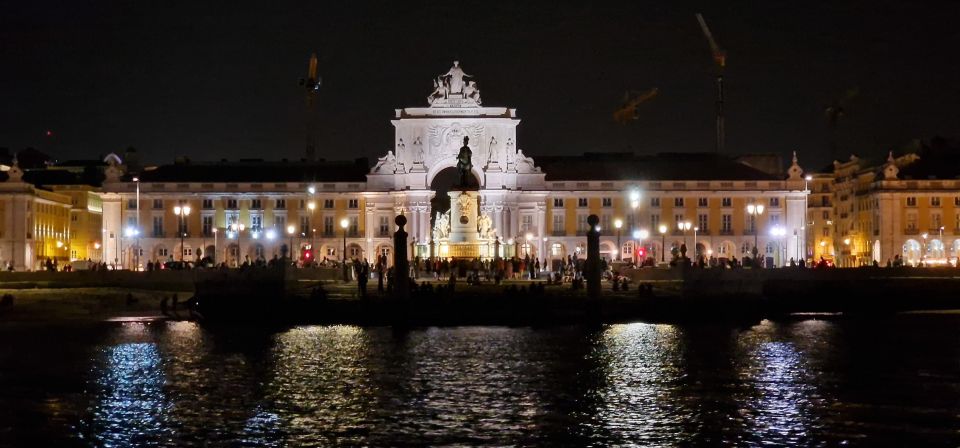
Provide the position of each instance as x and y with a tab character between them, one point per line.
640	253
49	133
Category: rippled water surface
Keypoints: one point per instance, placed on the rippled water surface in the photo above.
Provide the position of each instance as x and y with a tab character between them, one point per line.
802	382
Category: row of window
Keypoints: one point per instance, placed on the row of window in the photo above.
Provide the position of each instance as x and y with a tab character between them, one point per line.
702	223
256	225
936	221
934	201
655	202
255	204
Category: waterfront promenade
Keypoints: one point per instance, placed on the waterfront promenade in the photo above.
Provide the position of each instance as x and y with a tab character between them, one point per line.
676	293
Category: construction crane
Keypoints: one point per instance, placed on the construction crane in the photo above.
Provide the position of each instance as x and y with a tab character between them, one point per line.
720	60
311	85
632	99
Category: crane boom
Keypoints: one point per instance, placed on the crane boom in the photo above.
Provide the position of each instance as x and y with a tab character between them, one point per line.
719	56
312	68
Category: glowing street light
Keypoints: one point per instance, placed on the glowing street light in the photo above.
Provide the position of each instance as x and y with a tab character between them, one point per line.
344	223
617	224
663	242
290	231
754	210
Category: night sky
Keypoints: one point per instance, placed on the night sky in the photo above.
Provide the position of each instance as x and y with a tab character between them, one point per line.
220	81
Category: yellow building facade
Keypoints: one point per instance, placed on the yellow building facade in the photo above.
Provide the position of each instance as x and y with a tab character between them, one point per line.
35	224
905	207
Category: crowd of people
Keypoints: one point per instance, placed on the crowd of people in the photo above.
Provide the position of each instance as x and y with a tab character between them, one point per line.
563	269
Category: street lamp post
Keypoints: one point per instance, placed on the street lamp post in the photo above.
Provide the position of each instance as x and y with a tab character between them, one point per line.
215	250
136	255
846	242
923	250
313	225
618	223
754	210
344	223
806	218
290	231
182	212
663	242
696	256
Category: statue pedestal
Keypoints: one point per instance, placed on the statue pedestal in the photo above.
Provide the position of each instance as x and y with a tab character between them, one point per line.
463	216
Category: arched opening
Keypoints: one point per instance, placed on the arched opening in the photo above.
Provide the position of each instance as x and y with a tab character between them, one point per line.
608	250
701	251
257	252
233	254
446	180
384	255
911	252
935	249
628	251
772	251
725	250
211	253
354	251
160	253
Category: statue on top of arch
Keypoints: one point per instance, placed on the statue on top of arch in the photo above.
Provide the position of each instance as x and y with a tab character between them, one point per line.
452	84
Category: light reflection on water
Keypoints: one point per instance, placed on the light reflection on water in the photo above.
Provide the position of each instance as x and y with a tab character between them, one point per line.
781	407
131	408
177	384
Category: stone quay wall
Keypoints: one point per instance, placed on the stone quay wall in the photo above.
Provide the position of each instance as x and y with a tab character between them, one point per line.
165	280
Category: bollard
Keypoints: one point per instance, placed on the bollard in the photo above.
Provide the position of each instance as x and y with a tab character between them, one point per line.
592	266
401	266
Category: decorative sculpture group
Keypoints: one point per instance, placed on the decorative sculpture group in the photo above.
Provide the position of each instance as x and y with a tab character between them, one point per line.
452	83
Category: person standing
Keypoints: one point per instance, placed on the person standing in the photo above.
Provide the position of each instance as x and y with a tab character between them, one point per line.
363	274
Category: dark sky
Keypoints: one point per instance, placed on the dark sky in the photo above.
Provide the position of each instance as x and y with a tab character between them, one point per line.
220	81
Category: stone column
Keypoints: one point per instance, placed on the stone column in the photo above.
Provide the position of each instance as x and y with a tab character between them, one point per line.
401	267
541	230
423	233
795	225
368	226
498	219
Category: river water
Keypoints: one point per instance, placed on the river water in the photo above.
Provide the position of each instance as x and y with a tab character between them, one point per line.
821	381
